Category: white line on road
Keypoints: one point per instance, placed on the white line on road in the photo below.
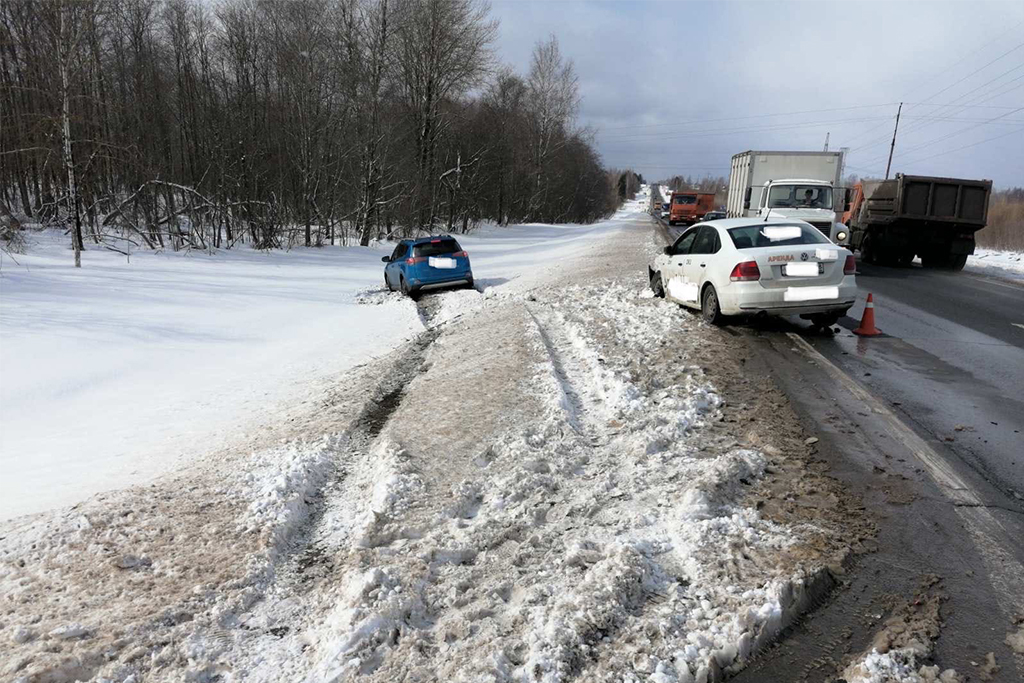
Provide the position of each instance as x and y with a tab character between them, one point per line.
988	534
1018	325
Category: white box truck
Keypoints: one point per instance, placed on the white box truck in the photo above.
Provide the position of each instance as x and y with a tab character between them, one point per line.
803	185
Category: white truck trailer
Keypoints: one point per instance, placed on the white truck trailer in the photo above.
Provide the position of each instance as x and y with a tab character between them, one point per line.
802	185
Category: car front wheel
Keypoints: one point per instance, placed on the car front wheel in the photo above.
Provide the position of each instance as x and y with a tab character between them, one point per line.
656	285
710	309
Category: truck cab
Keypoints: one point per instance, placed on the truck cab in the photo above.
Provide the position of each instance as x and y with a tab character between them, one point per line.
804	199
688	208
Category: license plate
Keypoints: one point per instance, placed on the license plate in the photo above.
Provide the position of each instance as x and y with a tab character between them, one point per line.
803	269
436	262
810	293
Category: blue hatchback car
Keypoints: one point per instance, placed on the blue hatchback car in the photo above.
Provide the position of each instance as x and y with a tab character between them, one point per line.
426	263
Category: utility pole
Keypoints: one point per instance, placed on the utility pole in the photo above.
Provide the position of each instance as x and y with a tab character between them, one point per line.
893	145
826	141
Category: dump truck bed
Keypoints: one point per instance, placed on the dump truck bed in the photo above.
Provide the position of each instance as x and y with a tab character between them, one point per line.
927	200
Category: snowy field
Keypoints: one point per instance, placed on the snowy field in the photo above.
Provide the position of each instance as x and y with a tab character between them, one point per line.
120	371
1007	264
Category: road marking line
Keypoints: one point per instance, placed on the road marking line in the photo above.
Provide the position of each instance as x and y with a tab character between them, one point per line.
989	535
993	281
1018	325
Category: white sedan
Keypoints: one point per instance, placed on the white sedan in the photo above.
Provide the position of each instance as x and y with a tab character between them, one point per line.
744	266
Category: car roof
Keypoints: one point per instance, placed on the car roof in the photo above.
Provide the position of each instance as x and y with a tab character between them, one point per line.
729	223
430	238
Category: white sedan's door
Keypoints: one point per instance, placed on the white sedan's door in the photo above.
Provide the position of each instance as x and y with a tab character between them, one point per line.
699	260
677	286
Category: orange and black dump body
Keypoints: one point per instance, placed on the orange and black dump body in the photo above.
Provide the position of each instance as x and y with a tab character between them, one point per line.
689	207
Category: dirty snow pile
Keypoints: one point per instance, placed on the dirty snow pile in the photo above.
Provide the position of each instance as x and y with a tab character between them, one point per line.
905	642
604	539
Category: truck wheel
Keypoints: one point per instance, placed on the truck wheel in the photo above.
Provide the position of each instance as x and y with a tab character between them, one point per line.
957	261
867	249
905	258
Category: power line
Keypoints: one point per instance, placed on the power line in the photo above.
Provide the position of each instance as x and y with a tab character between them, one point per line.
957	107
753	116
955	133
973	144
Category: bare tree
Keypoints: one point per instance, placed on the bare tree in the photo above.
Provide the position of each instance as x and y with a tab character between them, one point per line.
444	50
553	102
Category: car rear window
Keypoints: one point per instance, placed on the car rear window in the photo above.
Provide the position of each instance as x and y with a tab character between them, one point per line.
774	235
437	247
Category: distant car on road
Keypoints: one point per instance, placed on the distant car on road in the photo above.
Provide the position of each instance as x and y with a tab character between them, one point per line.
714	216
427	263
745	266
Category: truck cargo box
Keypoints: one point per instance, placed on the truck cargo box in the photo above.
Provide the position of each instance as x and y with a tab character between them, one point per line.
752	169
928	200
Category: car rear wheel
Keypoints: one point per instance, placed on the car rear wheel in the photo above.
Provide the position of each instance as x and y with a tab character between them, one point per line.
709	307
406	289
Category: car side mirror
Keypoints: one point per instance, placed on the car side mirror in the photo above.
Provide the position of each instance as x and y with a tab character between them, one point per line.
385	259
668	251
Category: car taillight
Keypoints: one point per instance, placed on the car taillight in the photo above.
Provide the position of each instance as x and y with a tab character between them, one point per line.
747	270
460	254
415	259
851	265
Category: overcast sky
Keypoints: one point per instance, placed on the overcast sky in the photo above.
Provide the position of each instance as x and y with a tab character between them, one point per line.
679	87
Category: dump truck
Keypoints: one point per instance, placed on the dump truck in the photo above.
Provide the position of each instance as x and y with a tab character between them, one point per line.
687	208
801	185
892	221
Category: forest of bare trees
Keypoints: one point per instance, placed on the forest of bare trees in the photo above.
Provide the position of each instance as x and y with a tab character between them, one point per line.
187	123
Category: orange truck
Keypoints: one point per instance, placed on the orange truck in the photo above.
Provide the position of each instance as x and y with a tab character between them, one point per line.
689	207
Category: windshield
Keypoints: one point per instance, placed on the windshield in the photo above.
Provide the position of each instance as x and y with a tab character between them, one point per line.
774	235
436	247
800	196
685	199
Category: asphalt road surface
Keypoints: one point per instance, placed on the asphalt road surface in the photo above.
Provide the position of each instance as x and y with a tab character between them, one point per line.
952	361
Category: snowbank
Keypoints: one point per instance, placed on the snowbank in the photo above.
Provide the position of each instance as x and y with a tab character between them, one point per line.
1009	264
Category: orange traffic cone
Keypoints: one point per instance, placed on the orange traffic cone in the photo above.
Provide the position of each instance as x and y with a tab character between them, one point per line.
867	323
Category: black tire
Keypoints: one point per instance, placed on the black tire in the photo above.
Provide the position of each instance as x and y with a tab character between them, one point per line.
824	320
387	283
867	254
709	309
656	284
406	289
469	283
905	258
957	261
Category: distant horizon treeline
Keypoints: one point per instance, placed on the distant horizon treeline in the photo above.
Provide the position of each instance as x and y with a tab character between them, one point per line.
172	123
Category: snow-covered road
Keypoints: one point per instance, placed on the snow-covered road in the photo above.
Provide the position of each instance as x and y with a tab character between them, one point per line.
560	478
